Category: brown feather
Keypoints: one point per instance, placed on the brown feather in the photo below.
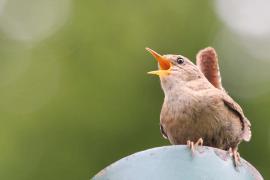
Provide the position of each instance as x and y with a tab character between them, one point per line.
233	106
207	61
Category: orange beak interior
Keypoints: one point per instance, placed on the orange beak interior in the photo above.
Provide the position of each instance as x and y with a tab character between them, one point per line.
164	64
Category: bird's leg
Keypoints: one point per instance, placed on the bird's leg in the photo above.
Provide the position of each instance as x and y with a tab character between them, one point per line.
199	142
193	146
236	156
190	145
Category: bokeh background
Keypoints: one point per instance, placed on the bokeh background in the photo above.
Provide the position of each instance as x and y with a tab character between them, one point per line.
74	93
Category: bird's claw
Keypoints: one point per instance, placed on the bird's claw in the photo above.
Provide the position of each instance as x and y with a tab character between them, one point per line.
192	146
236	156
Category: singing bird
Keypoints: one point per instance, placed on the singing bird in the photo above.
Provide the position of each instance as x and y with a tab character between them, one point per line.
196	108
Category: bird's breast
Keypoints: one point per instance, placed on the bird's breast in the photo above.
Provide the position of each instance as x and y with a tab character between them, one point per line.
180	108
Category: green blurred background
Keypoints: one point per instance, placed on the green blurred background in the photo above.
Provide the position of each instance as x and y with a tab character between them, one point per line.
74	93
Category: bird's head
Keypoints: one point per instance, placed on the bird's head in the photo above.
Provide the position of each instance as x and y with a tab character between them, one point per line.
174	69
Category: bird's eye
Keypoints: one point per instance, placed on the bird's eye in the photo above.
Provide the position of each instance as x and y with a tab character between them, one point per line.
180	60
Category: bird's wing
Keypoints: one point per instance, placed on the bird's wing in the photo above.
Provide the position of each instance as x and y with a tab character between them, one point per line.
233	106
163	132
207	61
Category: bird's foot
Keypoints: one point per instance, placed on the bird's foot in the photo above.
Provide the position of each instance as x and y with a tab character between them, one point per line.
192	146
236	156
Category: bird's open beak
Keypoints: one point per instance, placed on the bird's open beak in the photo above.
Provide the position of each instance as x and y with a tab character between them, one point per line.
164	64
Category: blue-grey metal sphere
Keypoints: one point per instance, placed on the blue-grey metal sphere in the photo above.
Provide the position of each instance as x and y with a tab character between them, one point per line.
177	162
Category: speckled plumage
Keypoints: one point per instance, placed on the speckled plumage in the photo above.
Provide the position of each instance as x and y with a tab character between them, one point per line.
196	105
